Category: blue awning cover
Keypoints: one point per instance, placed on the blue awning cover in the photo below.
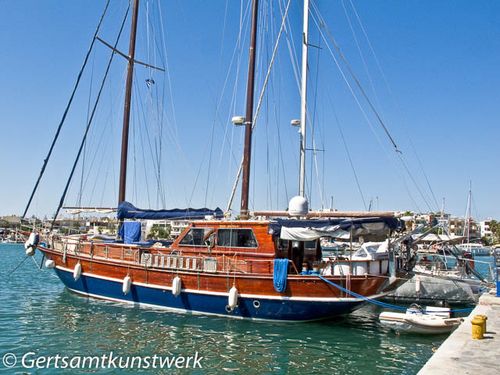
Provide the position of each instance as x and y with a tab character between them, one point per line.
127	210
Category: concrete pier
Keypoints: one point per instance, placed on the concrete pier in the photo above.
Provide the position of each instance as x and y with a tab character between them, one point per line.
460	354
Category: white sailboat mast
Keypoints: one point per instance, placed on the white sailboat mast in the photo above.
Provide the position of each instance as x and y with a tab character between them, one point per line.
468	215
303	101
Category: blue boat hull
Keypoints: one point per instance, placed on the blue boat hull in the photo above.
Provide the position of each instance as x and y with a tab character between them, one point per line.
209	303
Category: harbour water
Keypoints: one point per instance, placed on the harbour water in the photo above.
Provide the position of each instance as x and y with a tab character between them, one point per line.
37	314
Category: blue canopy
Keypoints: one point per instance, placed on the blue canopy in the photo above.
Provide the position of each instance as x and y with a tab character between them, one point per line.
127	210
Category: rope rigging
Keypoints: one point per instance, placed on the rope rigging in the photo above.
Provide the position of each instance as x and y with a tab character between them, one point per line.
381	71
89	164
235	61
312	124
376	302
361	55
61	202
66	110
351	163
260	100
321	24
89	101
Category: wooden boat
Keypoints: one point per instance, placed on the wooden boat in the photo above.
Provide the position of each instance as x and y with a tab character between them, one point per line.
248	268
211	261
417	320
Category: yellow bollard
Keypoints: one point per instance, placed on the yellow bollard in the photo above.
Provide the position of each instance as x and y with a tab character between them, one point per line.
484	318
477	327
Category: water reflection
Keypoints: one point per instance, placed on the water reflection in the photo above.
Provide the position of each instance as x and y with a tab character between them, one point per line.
39	314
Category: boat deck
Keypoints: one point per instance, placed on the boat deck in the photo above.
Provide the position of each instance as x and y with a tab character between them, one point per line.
460	354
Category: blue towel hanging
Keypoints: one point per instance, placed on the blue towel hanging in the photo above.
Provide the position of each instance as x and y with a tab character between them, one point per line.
280	274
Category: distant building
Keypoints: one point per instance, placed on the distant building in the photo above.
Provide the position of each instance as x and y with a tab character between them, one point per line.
444	221
485	228
174	227
454	226
90	225
177	227
11	219
458	225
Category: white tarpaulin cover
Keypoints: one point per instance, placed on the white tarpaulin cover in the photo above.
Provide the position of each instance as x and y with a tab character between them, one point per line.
311	233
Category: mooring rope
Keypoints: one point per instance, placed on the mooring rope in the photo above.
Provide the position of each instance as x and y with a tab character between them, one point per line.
379	303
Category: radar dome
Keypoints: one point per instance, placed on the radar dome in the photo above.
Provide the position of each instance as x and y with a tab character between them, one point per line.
298	206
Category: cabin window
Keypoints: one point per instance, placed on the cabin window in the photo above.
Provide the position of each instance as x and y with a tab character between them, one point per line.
196	237
236	238
282	245
310	245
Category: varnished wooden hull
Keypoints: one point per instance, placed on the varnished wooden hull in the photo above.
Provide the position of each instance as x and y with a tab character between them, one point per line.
306	297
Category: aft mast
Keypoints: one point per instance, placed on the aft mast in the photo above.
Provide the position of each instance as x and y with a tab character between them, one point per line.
247	151
298	205
126	108
303	101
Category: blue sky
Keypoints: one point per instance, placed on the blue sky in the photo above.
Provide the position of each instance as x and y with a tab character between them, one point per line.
438	93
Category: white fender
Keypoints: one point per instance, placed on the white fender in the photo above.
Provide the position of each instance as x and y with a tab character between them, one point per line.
233	298
31	244
77	272
176	286
30	241
127	283
30	251
417	284
49	263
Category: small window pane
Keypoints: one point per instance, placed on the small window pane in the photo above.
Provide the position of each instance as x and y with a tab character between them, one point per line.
195	237
310	244
236	238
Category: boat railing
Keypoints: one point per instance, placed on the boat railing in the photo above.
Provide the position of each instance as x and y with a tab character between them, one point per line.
234	265
174	260
224	264
79	246
210	264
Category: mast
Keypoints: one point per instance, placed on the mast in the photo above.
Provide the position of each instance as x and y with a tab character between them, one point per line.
468	215
247	151
126	108
303	101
